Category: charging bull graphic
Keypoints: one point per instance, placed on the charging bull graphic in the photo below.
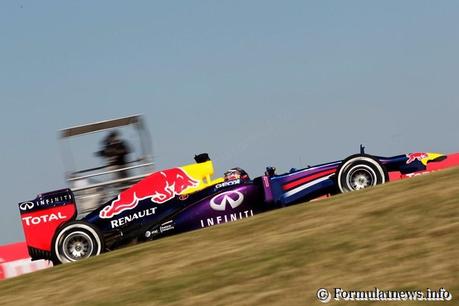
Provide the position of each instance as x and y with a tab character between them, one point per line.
160	187
416	156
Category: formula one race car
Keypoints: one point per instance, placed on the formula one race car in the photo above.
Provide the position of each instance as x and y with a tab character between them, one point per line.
185	198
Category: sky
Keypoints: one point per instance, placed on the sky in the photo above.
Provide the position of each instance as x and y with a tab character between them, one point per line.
253	83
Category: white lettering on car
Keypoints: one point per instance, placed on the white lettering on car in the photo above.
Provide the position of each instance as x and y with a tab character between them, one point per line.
226	218
43	219
138	215
229	183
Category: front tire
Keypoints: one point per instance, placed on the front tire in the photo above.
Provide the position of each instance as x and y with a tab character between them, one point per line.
360	172
76	241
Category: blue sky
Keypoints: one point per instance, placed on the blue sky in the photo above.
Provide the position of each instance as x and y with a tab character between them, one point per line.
254	83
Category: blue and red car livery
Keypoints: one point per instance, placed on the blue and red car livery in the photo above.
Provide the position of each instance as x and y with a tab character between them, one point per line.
173	201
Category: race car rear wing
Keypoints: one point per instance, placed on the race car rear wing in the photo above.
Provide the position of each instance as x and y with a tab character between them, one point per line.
41	218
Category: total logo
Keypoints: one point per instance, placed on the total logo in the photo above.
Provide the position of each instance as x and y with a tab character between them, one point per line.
418	173
43	219
231	198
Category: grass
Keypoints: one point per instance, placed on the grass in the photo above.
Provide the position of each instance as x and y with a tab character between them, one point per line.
402	235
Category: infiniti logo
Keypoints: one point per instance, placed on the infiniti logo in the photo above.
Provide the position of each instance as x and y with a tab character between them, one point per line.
26	205
233	198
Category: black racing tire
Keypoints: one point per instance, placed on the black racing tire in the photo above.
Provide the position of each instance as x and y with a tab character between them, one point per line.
76	241
360	172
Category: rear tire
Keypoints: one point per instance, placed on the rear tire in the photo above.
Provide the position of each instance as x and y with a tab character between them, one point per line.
360	172
76	241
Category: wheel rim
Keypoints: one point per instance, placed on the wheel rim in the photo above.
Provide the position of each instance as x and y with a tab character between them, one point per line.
361	177
77	245
378	173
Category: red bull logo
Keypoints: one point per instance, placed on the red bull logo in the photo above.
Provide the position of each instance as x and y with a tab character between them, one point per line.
416	156
160	187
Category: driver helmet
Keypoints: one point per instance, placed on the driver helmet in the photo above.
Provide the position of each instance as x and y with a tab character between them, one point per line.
235	174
